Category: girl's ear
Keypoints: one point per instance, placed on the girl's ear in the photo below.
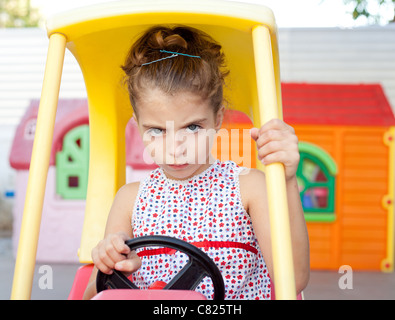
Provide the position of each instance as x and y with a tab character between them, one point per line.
220	118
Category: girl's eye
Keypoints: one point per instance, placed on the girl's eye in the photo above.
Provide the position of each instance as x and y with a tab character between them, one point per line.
155	132
193	128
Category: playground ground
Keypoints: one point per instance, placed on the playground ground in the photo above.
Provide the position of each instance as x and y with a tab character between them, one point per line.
323	285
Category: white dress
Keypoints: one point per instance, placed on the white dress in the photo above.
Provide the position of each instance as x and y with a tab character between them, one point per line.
205	210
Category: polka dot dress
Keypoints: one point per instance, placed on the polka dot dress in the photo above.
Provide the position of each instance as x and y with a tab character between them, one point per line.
205	210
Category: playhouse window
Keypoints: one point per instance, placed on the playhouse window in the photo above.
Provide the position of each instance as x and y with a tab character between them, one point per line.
316	178
72	164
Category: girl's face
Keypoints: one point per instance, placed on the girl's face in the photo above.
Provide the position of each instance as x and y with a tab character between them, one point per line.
178	131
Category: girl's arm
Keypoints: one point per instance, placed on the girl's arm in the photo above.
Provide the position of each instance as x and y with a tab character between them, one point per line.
112	252
253	192
277	142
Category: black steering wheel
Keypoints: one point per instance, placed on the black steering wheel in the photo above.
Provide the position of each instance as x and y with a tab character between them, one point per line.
198	267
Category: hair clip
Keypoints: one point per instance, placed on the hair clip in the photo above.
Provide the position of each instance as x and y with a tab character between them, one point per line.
173	54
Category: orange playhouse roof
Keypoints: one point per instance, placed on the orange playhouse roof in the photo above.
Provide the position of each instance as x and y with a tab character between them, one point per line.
336	104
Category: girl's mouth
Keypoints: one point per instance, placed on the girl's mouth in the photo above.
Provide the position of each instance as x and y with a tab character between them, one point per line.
178	166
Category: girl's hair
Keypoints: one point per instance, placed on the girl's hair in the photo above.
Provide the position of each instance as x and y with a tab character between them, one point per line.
203	76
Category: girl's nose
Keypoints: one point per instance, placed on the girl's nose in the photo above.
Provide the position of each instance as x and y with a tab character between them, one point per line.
176	150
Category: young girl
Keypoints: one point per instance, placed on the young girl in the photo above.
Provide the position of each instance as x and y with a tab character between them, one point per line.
175	79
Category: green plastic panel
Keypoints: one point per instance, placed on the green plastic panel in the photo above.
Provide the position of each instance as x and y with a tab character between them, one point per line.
72	164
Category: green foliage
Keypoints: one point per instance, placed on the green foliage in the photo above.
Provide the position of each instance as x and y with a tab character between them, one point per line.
18	14
365	8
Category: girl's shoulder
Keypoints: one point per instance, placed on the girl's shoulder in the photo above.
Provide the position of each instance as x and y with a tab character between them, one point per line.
129	188
127	193
252	178
252	184
122	207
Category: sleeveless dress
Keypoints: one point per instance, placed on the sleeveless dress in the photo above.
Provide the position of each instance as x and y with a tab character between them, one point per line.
205	210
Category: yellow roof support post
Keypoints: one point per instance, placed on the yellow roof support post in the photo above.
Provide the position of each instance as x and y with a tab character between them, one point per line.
30	229
268	84
387	264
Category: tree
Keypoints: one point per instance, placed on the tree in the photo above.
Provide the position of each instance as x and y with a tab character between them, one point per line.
375	11
18	13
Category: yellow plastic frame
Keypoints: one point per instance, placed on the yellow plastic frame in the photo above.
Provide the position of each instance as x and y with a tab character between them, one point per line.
99	37
387	264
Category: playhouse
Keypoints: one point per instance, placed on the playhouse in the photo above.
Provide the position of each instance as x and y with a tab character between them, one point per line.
64	202
346	172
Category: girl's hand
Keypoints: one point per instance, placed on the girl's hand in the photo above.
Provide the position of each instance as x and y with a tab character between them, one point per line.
276	142
112	253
